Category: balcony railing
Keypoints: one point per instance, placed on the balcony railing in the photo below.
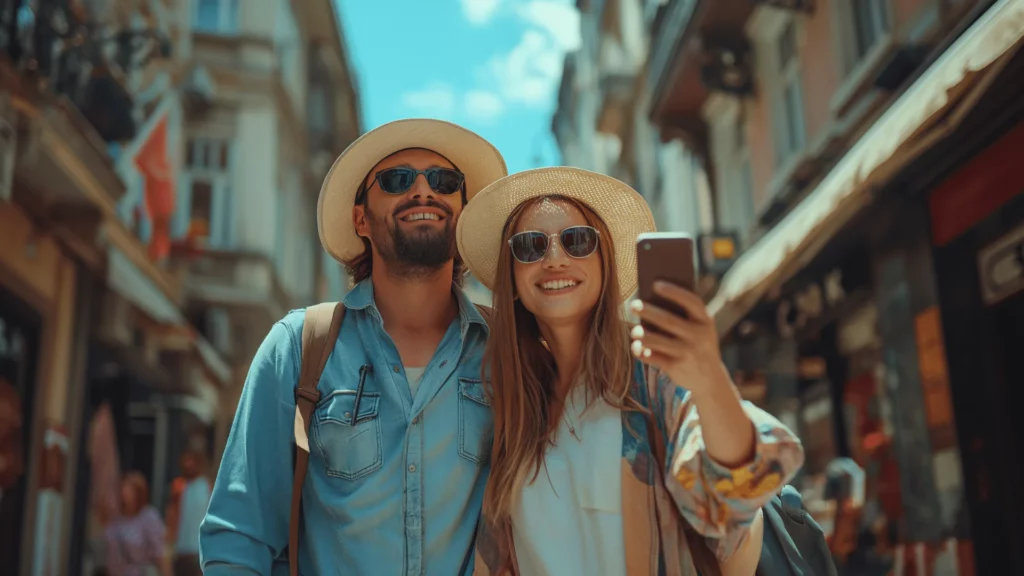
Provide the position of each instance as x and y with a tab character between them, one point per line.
235	280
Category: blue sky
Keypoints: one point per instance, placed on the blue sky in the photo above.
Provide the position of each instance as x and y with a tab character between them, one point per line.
492	66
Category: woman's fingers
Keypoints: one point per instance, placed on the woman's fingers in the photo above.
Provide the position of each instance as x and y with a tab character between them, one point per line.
669	346
688	301
648	356
660	318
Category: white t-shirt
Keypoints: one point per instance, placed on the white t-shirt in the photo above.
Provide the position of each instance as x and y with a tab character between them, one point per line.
414	375
194	501
569	519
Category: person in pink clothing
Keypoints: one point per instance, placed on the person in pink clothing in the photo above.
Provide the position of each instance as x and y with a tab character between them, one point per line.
135	541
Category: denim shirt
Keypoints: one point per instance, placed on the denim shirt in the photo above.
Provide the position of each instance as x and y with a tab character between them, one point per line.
394	488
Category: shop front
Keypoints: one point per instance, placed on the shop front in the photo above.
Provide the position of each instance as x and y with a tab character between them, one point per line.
20	342
977	231
40	336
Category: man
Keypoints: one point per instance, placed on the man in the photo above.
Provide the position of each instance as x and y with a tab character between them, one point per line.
189	512
400	436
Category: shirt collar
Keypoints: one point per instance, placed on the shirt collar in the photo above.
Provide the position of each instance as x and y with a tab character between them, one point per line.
360	297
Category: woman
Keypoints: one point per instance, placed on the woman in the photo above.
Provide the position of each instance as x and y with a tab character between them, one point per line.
135	541
578	424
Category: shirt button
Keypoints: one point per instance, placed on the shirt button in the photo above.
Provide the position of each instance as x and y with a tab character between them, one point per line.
348	414
412	467
396	369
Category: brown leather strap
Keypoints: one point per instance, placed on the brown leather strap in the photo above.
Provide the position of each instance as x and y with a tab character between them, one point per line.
703	558
319	333
485	311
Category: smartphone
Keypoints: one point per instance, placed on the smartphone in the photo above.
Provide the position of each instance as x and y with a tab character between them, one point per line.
668	256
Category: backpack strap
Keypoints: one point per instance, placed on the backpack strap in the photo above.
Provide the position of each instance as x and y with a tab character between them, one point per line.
485	311
319	333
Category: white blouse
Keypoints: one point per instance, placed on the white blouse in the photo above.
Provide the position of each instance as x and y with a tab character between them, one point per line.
569	519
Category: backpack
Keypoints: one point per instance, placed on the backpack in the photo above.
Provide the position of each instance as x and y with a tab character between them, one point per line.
319	333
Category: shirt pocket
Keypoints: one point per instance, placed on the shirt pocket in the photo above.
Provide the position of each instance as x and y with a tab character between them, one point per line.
350	447
476	423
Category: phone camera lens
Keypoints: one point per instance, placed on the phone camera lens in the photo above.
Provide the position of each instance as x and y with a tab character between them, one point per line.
647	246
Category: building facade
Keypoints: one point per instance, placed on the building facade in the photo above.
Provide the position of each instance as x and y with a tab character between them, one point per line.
137	187
270	103
602	124
860	151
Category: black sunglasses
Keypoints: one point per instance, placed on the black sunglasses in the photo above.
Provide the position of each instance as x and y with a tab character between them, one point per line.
531	246
400	179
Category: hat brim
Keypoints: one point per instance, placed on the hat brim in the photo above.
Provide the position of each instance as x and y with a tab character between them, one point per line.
475	157
623	210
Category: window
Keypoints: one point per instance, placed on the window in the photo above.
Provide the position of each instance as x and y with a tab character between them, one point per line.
201	211
216	16
870	24
208	182
743	197
790	132
734	206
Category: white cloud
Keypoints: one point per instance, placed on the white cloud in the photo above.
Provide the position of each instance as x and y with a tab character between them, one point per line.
479	12
436	100
529	74
483	106
559	19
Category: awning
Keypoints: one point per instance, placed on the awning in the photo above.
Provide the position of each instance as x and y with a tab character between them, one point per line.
127	280
902	133
132	284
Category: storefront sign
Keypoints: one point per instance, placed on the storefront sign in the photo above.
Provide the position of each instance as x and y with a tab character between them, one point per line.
810	303
717	252
931	361
1001	267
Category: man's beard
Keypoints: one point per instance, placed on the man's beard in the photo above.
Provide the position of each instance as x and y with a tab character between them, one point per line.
416	253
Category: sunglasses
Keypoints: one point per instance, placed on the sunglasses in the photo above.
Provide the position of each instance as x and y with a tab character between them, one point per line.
399	180
531	246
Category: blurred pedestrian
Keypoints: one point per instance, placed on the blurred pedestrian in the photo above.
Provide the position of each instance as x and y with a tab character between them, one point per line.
581	428
191	508
135	540
399	440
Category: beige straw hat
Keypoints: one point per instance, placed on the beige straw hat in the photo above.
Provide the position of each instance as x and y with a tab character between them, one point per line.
622	209
476	158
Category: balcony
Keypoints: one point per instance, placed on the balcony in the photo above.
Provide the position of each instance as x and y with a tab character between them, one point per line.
686	40
616	82
241	282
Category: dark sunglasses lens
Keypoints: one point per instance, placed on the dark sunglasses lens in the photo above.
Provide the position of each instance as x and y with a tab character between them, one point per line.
529	247
579	241
444	180
396	180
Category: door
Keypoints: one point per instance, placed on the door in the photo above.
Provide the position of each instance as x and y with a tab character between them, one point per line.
20	329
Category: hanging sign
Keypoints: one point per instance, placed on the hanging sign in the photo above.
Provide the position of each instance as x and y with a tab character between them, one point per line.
1001	267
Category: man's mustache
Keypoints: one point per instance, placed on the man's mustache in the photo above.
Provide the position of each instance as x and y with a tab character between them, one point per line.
429	203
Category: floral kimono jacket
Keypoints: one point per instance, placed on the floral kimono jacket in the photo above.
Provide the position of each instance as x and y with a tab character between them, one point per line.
719	503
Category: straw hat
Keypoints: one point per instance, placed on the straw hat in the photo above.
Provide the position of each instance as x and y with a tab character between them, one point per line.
475	157
622	209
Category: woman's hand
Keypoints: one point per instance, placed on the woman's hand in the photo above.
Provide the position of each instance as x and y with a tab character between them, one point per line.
688	353
687	349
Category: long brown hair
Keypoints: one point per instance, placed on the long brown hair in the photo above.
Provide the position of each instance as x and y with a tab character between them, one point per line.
523	372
